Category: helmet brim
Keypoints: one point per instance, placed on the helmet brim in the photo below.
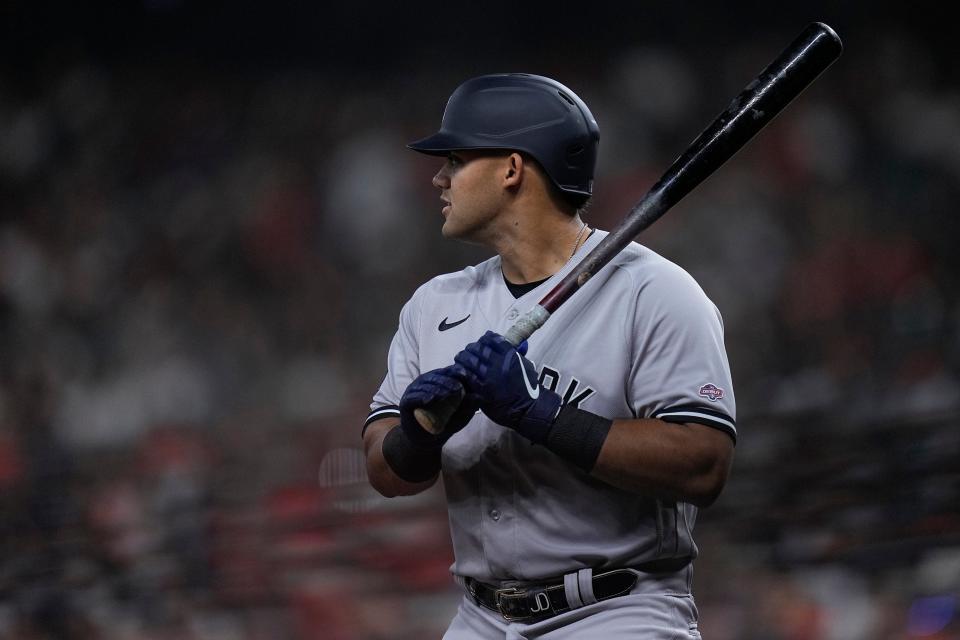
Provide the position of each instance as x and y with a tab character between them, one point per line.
442	143
438	144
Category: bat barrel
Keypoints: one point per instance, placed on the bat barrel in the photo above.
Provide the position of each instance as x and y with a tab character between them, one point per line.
784	79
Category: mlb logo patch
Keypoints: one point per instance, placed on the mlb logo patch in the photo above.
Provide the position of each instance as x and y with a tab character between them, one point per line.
711	392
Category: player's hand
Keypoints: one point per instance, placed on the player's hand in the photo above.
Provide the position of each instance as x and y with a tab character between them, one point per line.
508	387
436	386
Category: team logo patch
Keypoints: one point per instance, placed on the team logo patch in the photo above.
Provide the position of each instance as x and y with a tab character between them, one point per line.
711	391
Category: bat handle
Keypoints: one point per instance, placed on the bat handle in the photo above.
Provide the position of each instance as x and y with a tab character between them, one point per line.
435	416
526	324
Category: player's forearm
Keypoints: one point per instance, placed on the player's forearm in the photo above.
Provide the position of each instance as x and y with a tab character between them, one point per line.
382	477
685	462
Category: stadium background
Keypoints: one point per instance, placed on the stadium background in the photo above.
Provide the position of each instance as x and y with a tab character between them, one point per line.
208	223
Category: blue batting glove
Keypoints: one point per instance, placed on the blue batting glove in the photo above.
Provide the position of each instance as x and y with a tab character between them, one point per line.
438	385
508	388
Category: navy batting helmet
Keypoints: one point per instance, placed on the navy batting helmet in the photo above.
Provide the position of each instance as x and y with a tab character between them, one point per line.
522	112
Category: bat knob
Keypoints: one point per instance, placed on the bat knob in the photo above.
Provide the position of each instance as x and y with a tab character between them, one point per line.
428	421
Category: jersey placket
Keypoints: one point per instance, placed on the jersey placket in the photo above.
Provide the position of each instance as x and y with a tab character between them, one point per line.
498	507
499	490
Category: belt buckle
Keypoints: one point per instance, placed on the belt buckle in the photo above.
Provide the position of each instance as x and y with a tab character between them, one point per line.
509	591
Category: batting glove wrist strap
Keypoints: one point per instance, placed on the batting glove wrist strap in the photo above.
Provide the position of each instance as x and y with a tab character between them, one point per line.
577	436
409	460
538	422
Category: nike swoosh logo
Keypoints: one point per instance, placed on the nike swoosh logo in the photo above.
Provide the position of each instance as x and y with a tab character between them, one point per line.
444	325
533	391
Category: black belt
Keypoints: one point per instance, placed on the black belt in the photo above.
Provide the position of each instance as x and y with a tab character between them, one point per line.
545	599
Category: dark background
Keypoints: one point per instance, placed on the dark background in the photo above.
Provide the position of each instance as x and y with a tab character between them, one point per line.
209	222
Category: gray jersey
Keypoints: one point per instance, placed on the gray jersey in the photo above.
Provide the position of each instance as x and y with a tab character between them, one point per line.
640	339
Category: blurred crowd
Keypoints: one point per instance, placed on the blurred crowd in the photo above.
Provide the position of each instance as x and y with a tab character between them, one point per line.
201	270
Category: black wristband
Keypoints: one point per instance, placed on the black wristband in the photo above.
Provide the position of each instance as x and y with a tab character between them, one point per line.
577	436
408	461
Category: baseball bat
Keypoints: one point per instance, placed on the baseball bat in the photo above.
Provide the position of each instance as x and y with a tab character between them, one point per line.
815	49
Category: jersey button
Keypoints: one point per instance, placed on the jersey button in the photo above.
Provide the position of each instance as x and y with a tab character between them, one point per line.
495	515
513	314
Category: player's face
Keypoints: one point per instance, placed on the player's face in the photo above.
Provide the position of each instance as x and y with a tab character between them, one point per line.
470	187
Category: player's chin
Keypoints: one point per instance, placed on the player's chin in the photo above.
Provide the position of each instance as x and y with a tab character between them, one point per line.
464	229
451	229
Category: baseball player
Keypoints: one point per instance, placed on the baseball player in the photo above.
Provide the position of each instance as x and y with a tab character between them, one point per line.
575	464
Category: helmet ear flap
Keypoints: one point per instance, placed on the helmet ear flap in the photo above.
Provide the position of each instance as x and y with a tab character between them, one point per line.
522	112
574	152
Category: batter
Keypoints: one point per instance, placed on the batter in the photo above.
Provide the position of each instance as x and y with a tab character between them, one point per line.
576	463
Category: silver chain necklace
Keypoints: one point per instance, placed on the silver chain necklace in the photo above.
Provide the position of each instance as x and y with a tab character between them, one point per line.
576	244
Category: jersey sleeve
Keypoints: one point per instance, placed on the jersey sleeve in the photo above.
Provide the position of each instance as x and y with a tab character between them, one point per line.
403	363
679	371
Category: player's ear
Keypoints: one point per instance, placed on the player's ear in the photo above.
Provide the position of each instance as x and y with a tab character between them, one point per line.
513	170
